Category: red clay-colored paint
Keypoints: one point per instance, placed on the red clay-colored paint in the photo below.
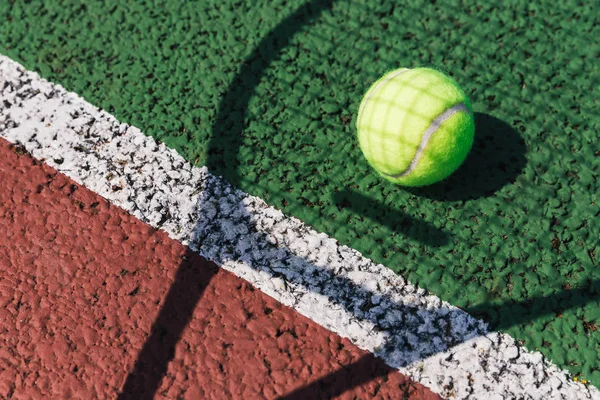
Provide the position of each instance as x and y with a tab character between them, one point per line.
82	285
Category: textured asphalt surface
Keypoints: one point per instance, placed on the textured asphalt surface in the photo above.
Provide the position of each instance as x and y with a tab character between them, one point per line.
334	286
265	94
82	284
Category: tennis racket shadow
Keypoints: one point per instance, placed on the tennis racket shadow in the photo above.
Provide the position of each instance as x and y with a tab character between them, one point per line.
300	274
397	221
513	313
195	274
306	275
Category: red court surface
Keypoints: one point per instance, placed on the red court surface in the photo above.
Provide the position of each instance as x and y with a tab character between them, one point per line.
96	304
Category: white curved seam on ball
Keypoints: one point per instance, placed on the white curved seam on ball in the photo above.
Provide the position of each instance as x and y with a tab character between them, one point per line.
372	92
428	134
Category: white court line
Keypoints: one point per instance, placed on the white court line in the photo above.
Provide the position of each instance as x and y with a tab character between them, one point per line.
431	341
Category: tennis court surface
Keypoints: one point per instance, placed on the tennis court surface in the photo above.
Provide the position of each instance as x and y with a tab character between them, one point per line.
185	211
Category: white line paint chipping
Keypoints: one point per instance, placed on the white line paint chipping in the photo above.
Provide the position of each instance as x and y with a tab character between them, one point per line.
433	342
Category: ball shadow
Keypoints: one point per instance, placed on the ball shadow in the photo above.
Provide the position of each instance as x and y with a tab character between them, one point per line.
496	160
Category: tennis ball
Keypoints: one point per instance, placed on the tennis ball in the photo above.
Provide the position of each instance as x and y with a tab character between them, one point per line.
415	126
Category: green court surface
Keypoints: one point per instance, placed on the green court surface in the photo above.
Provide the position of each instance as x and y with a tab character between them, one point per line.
265	93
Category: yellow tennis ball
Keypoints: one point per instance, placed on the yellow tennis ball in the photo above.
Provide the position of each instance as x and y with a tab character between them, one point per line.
415	126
